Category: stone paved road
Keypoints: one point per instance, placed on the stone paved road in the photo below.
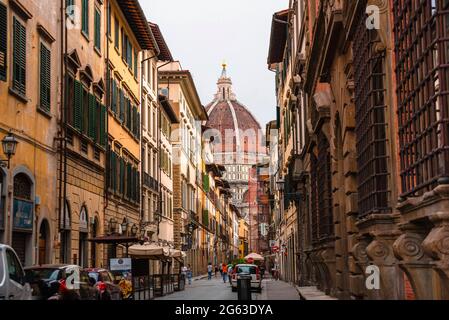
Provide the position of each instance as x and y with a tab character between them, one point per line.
215	289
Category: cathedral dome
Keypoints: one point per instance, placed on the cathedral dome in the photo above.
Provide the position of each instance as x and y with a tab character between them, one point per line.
236	129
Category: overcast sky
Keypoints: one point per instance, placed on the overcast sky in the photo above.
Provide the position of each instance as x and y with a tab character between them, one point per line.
203	33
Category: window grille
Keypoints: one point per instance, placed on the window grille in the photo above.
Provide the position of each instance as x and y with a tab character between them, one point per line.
422	53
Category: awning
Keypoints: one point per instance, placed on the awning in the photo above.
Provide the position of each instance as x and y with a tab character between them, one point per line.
255	257
150	251
114	239
176	253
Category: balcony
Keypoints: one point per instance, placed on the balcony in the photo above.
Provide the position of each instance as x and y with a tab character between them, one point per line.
150	182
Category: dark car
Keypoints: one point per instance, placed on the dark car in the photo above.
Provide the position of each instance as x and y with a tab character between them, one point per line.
61	282
105	284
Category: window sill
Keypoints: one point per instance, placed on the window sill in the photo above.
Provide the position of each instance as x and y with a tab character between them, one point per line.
45	113
18	95
117	50
85	35
97	51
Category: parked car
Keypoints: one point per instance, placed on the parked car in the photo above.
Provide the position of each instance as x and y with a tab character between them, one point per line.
247	269
13	285
105	284
61	282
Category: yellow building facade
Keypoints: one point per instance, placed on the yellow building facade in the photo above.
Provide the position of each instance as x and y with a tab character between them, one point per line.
29	107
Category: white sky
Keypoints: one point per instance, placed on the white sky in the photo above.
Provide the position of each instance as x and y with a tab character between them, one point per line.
203	33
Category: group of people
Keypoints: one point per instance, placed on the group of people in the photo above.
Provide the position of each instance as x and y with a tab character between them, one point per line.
224	269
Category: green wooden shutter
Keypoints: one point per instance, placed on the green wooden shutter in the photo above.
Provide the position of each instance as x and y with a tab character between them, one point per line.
3	41
128	114
122	105
138	125
85	16
134	122
114	97
122	177
19	56
97	36
78	105
45	74
103	131
91	117
135	63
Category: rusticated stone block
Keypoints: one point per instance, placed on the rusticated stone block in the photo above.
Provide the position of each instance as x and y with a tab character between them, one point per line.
349	143
349	117
350	185
351	227
350	164
352	203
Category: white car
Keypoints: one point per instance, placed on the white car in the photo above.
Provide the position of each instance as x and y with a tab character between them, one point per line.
247	269
13	285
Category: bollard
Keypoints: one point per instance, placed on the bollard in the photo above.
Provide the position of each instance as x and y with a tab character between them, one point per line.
244	287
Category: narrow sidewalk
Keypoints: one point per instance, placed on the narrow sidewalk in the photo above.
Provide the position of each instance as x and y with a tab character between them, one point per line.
278	290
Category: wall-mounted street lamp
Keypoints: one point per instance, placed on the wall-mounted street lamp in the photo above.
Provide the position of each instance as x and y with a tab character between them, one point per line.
124	226
9	146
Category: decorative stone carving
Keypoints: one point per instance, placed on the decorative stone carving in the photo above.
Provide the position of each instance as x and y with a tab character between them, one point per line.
408	247
359	252
436	243
380	252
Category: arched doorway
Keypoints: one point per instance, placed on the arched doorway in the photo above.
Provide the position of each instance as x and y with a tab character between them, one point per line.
44	243
83	235
23	211
65	225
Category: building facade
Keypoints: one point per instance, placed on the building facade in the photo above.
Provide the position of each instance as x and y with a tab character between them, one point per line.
357	174
30	111
179	88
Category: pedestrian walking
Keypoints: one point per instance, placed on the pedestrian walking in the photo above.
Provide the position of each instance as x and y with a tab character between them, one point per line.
209	271
221	269
224	269
216	270
189	274
230	271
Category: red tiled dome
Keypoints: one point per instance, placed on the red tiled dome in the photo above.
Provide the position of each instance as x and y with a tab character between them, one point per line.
238	129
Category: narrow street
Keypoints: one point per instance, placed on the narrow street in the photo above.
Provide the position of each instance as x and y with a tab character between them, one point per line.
215	289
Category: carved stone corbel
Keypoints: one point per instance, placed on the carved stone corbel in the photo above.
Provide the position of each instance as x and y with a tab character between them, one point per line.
380	252
415	262
436	244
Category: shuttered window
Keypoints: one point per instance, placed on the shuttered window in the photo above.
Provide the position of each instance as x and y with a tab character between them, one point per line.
3	41
45	74
85	16
114	97
78	106
92	115
116	33
97	36
135	63
122	177
134	122
138	125
122	105
102	125
19	57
